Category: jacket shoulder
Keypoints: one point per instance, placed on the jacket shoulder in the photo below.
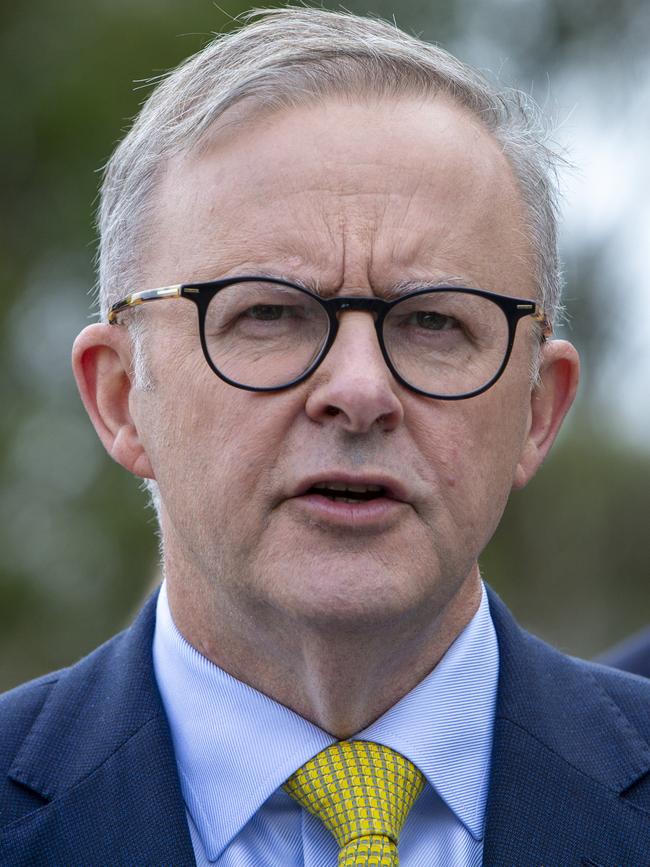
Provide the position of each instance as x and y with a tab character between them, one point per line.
21	705
87	768
632	654
570	776
50	723
19	708
629	692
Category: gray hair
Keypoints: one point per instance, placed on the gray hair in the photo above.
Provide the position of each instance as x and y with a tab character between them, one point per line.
286	57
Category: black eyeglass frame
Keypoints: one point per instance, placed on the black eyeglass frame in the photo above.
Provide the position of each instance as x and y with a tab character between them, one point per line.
202	294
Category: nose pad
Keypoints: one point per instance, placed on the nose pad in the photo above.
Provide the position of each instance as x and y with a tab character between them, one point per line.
353	386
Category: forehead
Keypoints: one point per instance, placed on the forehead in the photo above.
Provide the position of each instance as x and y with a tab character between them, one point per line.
346	194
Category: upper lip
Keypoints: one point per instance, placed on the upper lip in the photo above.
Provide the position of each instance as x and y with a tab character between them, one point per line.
392	488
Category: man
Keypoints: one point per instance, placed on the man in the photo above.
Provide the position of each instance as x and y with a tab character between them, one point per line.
358	236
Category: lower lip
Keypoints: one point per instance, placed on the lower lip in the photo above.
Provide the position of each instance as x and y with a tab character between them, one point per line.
371	514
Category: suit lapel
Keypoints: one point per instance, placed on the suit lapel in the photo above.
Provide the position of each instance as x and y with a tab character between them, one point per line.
563	756
100	755
569	781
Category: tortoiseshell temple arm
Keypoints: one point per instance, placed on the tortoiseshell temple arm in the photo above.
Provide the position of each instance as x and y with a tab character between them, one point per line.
137	298
179	289
538	316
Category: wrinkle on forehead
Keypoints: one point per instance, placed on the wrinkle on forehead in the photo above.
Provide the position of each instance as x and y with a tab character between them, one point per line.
411	191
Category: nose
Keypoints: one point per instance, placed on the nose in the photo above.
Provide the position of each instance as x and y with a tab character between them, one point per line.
353	387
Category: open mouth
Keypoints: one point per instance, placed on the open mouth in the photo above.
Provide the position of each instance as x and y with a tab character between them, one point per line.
342	493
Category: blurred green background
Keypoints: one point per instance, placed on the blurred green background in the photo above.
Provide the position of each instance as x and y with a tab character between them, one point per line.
78	548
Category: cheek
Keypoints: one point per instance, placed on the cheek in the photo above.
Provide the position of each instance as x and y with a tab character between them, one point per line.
442	450
497	443
213	447
472	448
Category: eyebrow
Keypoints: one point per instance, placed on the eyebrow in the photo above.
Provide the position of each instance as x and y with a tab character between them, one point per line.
413	285
397	290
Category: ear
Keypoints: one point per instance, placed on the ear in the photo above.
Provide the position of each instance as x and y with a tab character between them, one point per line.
550	401
101	361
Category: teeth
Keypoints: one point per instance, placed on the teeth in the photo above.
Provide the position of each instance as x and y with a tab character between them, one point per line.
341	486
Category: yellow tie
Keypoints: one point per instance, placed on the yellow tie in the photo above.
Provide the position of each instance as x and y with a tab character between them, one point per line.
362	792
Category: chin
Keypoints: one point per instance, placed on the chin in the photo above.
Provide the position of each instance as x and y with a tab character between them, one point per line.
338	598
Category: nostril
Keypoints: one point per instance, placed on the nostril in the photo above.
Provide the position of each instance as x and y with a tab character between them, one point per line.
332	410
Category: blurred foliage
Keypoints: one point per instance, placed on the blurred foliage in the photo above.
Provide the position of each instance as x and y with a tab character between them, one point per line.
571	555
78	545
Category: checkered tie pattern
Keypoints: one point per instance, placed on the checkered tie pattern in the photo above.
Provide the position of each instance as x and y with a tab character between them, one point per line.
362	792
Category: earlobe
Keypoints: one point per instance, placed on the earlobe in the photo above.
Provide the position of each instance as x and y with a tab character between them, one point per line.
551	399
101	361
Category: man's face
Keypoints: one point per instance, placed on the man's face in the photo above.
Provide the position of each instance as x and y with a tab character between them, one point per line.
354	198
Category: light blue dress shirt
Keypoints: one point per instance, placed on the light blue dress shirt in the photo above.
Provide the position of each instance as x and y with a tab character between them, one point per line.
235	747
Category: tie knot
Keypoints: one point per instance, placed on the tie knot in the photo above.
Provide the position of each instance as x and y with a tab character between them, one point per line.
357	789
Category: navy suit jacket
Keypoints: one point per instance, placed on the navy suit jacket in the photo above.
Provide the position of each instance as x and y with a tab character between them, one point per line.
633	654
88	776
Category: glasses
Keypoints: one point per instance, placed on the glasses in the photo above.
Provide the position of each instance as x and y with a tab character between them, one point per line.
265	334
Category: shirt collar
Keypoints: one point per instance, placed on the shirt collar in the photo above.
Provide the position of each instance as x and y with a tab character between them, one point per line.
235	746
445	724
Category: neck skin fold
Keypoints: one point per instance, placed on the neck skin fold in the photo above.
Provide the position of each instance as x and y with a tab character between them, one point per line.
341	676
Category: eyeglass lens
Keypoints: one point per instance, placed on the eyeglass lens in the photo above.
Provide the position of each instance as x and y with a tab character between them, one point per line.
265	335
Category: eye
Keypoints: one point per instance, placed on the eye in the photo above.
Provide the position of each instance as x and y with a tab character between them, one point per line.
433	321
266	312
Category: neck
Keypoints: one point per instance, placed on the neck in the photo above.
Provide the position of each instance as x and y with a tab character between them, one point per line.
341	677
